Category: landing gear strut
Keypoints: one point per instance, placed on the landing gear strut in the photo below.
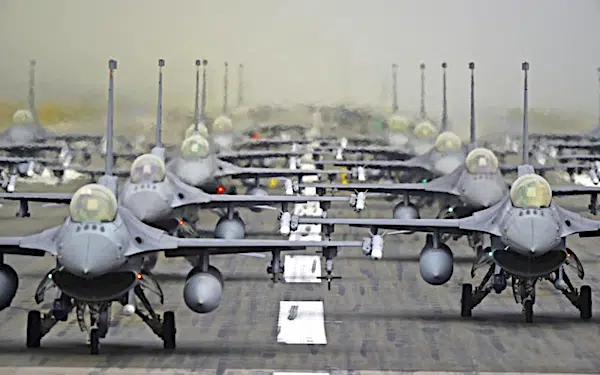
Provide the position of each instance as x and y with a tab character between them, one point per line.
38	325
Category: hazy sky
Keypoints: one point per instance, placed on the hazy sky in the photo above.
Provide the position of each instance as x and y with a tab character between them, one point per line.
308	50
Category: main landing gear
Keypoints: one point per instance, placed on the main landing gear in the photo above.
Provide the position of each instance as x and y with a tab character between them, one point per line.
524	292
38	324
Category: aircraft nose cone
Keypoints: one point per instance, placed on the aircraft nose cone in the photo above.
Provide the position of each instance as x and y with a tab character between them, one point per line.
531	234
148	206
398	140
195	173
447	164
421	148
89	255
223	142
484	194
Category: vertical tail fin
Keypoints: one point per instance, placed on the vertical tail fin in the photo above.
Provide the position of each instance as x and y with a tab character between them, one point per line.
109	158
598	70
31	93
394	88
422	111
203	105
472	110
525	68
444	122
225	88
240	92
159	105
197	97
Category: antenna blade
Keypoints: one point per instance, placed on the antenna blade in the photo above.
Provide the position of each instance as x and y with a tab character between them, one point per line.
159	105
394	88
422	111
197	96
240	93
444	126
203	106
598	71
31	93
109	159
472	114
225	88
525	68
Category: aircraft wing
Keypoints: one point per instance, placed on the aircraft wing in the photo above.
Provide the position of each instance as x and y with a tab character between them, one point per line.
579	157
186	246
481	221
64	198
96	138
245	155
540	169
29	147
566	190
454	226
373	164
11	160
253	200
392	152
227	169
261	143
94	172
413	189
33	245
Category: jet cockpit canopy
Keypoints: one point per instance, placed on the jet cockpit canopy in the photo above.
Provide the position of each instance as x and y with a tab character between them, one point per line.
195	146
202	130
531	191
424	129
93	203
147	168
222	124
448	142
397	123
481	160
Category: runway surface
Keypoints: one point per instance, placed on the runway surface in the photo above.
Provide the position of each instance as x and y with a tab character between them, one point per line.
380	317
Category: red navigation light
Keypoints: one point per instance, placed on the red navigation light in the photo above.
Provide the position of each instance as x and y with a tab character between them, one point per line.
220	190
256	135
139	276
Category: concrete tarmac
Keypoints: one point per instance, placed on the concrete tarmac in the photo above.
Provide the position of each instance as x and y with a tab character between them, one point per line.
380	317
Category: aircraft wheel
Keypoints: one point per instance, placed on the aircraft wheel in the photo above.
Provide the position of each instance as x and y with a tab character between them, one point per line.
585	302
466	300
94	341
34	329
528	311
168	330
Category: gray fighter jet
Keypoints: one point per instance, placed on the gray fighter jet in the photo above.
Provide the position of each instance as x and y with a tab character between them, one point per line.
100	250
527	231
476	184
405	138
197	164
27	129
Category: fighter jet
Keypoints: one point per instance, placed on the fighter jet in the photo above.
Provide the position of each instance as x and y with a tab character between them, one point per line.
528	233
198	165
557	138
99	251
27	130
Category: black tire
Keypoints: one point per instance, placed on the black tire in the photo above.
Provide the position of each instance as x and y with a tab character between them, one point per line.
168	330
94	341
528	311
34	329
585	302
466	301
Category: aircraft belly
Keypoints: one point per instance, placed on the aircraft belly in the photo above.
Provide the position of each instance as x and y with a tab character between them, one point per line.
107	287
